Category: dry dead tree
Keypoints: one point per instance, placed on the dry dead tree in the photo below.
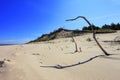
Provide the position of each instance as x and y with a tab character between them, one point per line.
76	48
92	32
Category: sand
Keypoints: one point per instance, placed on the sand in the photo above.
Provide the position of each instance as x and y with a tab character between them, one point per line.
56	60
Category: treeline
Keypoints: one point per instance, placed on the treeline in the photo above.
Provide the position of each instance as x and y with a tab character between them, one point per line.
104	27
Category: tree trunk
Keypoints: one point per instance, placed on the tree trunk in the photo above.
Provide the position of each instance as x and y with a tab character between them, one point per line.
76	48
92	32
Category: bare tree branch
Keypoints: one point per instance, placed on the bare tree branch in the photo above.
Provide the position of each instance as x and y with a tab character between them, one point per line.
92	32
76	48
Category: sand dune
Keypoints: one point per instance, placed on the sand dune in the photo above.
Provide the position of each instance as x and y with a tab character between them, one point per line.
40	61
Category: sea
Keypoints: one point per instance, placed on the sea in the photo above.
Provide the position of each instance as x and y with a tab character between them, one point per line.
6	44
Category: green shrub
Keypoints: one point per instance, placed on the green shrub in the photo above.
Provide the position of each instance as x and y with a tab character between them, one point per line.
88	39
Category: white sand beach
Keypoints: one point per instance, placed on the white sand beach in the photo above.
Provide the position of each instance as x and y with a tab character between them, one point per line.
41	61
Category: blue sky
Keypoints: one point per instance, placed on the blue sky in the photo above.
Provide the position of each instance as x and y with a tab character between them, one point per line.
25	20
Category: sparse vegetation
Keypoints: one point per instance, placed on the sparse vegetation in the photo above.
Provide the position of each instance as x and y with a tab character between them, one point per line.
35	54
1	63
88	39
105	31
65	33
104	28
56	34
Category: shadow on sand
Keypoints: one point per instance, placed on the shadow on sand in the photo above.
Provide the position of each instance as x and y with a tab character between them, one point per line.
79	63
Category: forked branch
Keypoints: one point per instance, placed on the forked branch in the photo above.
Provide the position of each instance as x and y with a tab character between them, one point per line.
92	32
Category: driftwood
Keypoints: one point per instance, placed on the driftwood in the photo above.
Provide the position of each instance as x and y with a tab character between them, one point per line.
76	48
92	32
